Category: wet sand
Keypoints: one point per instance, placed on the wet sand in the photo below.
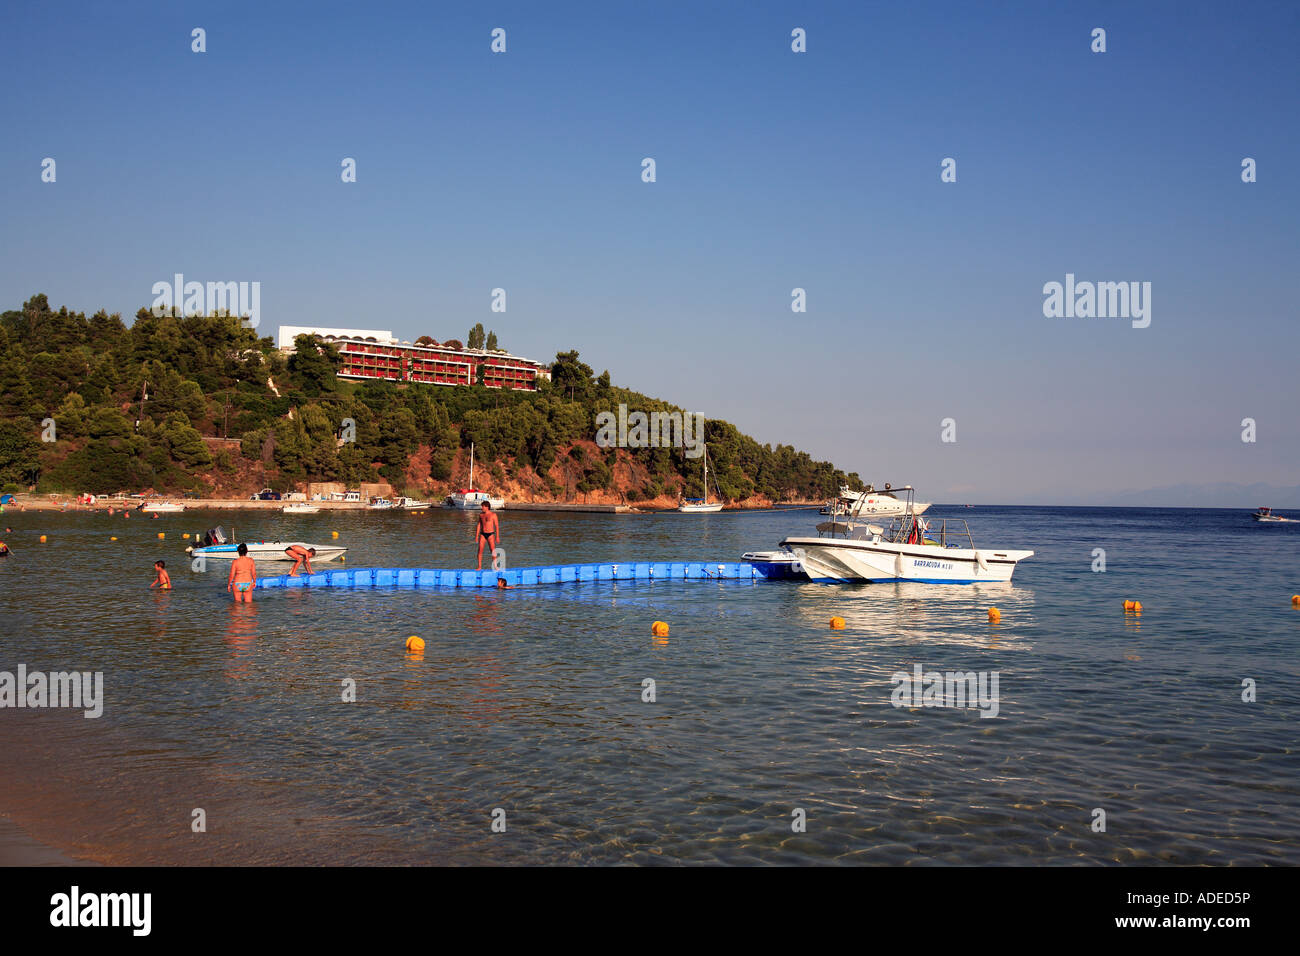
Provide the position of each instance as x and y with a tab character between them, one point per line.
18	848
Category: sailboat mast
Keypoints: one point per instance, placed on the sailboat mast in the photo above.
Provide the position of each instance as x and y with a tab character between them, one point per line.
471	464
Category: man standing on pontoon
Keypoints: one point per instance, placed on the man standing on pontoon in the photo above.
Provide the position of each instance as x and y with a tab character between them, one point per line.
487	532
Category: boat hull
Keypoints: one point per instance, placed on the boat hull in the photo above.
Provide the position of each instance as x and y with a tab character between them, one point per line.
834	560
699	509
265	551
472	502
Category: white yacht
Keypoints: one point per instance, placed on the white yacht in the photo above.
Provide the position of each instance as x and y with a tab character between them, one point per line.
471	499
701	505
298	508
869	501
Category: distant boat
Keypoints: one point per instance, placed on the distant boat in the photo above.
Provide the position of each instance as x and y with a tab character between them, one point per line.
701	505
161	507
300	509
380	504
471	499
410	503
1266	514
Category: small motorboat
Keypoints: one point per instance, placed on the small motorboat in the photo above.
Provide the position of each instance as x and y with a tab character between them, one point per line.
911	549
1266	514
300	509
775	565
380	504
160	507
214	546
410	504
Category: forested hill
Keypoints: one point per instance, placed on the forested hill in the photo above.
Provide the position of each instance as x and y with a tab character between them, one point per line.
88	404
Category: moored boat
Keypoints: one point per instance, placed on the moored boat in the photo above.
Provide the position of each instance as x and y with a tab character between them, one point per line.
161	507
869	501
911	549
701	505
214	546
471	498
300	509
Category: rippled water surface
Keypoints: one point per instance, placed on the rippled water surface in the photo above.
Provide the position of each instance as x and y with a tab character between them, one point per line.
531	700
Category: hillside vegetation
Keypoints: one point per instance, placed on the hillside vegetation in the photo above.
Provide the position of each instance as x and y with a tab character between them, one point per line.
88	404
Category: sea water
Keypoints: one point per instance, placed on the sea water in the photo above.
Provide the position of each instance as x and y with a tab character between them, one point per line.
548	724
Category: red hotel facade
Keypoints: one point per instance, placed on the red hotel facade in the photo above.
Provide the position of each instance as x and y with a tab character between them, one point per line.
368	358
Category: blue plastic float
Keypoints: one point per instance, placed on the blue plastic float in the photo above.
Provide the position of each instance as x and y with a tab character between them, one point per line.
519	577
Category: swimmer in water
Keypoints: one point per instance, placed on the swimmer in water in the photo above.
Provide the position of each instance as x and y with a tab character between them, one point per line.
300	557
163	581
243	576
502	586
488	532
4	549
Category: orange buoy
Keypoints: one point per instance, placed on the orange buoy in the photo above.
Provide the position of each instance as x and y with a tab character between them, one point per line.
161	535
414	643
1295	599
837	624
659	629
42	539
994	615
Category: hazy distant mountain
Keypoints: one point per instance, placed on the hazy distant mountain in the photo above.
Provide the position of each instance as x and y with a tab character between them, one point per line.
1222	494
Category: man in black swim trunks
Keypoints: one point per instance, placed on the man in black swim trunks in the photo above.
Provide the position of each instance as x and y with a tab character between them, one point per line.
488	532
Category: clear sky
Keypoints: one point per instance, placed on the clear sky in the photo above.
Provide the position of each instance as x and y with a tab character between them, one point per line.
775	170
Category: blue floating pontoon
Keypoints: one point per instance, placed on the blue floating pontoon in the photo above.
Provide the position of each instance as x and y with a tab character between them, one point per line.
520	577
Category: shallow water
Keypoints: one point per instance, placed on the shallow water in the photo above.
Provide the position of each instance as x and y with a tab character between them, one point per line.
531	700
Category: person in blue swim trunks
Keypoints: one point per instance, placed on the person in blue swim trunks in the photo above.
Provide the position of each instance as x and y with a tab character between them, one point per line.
243	576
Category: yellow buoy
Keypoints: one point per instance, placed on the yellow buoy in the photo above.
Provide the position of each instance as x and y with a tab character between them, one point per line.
1137	607
994	615
837	624
1128	605
186	536
42	539
1295	599
113	538
335	533
414	643
659	629
161	535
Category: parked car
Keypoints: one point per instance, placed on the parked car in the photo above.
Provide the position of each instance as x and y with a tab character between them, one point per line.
266	494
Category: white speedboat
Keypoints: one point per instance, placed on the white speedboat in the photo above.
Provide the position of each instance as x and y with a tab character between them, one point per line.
300	509
1266	514
214	546
471	499
911	549
410	503
380	504
161	507
869	501
695	506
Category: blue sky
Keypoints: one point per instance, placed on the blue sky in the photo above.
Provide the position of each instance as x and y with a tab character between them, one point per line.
775	170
